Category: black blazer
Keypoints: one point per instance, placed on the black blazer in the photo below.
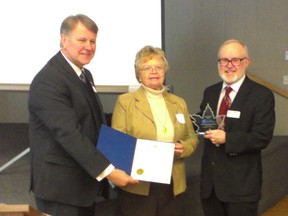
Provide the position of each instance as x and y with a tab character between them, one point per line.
235	169
65	117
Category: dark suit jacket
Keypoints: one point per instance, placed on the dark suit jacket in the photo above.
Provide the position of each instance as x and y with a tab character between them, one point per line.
65	117
235	169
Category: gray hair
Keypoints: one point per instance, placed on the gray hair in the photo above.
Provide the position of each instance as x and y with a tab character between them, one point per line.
235	41
70	22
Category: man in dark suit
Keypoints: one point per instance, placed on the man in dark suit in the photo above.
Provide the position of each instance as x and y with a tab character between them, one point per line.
231	164
65	115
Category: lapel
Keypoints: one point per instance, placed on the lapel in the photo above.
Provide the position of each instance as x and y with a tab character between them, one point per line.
85	90
142	103
92	89
143	106
69	73
174	108
213	100
239	101
241	95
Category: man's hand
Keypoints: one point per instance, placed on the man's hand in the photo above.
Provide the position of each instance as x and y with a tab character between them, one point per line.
120	178
217	137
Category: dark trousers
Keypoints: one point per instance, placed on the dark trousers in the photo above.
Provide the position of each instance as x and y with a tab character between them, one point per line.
159	202
60	209
212	206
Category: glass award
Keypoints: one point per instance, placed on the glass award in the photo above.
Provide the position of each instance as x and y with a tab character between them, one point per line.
208	121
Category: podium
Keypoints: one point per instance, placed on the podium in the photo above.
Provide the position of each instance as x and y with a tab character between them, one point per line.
19	210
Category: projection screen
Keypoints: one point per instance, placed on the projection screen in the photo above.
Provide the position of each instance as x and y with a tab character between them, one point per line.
30	36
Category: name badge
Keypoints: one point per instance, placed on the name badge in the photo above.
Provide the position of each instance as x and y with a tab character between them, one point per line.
180	118
233	114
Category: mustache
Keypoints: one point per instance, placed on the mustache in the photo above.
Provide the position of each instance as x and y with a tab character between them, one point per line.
229	70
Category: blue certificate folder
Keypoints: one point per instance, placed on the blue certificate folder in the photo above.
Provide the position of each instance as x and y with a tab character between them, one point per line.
118	147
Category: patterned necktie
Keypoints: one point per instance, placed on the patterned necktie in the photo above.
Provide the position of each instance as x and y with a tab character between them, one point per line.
98	104
83	77
224	106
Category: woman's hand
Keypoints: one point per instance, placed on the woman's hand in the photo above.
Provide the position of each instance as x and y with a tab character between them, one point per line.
178	149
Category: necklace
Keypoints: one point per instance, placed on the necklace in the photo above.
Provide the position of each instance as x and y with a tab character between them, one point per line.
163	125
164	129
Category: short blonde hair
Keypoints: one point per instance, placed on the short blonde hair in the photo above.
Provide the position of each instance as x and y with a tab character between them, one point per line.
147	53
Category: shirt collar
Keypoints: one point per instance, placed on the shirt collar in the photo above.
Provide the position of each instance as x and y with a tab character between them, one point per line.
235	86
75	68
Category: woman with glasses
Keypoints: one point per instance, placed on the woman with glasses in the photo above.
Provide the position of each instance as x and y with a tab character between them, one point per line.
154	114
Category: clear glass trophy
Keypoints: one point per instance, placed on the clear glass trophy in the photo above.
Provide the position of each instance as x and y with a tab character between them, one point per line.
208	121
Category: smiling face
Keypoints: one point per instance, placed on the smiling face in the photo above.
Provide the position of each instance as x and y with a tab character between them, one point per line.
152	73
231	73
80	45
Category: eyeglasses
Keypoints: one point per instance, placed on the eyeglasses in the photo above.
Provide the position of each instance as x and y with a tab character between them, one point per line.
151	67
234	61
